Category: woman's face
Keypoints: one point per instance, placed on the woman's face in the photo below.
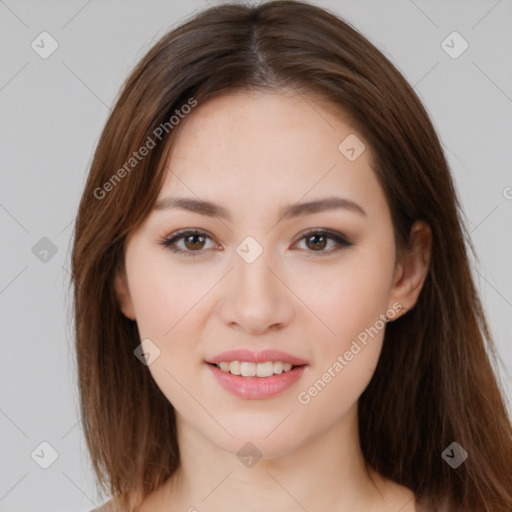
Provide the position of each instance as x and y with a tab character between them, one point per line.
256	280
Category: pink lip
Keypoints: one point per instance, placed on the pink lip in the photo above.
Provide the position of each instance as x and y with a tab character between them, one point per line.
256	357
256	388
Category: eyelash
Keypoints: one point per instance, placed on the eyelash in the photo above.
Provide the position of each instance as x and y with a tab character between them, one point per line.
168	242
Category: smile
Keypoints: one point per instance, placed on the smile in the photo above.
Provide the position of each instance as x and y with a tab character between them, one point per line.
248	369
255	387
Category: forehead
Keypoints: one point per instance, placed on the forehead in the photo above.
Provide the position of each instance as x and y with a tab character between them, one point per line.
255	128
259	148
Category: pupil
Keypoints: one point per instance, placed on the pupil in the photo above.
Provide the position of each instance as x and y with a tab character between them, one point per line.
317	245
196	243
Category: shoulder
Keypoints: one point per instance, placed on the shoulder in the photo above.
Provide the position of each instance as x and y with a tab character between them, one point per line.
394	495
399	497
106	507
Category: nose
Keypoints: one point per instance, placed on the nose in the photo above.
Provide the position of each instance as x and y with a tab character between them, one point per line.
254	297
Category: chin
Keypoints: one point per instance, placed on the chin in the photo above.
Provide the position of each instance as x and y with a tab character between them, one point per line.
259	444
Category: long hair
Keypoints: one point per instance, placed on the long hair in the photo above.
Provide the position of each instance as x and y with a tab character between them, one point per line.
434	384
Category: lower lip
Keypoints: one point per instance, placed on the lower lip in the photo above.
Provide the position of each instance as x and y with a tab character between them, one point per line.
256	388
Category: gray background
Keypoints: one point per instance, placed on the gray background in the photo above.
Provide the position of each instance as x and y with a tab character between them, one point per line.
52	113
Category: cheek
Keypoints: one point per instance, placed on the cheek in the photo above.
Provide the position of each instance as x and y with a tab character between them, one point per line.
349	297
168	301
353	304
334	388
347	354
164	293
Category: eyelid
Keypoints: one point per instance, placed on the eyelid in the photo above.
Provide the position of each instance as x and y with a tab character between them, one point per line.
340	239
331	233
174	237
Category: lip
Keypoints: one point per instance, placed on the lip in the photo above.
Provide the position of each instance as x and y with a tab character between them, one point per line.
257	357
256	388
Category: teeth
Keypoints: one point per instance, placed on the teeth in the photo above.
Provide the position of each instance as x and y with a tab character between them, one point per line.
265	369
247	369
255	369
278	367
234	367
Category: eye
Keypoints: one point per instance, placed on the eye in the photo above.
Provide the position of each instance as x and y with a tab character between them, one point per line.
194	241
317	239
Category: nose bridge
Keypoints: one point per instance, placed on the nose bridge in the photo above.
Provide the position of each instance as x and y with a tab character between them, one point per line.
252	274
255	298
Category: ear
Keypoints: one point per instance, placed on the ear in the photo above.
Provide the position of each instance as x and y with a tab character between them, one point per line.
412	269
123	295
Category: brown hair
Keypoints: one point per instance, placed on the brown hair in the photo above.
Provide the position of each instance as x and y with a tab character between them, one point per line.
434	383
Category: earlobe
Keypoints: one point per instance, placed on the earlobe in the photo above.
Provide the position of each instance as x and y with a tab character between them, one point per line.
123	296
412	271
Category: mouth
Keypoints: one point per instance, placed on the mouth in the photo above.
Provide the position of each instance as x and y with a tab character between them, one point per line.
251	369
256	376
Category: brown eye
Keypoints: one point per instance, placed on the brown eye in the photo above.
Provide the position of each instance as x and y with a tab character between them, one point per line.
188	242
195	241
316	242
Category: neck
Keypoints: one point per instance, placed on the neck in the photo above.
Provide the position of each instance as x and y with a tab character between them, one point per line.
326	473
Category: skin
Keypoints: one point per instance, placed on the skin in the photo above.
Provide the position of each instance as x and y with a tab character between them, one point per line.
252	153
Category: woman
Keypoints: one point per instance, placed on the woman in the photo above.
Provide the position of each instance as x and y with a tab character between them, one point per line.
273	301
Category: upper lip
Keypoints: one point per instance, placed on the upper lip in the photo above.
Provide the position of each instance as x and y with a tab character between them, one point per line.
251	356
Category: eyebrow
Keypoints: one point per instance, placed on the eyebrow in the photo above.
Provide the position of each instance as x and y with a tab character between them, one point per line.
210	209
